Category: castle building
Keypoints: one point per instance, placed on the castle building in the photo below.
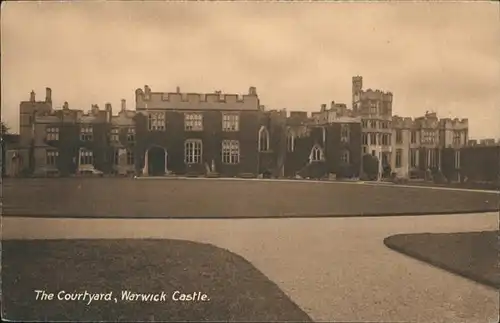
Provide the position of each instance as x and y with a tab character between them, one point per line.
374	107
195	133
407	145
188	134
327	142
234	135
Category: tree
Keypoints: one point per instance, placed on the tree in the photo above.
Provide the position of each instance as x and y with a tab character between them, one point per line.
4	128
387	170
370	166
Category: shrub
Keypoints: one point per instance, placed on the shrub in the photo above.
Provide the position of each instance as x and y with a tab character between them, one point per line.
387	171
345	171
316	170
370	166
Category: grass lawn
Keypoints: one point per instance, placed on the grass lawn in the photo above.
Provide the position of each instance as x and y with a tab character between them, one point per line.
473	255
115	197
236	290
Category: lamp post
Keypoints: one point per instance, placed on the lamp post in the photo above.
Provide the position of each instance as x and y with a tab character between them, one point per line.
379	155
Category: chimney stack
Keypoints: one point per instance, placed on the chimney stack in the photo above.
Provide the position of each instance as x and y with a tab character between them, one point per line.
32	96
252	90
65	106
323	107
178	90
48	95
124	105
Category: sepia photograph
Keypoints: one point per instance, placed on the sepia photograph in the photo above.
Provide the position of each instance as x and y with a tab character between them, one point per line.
250	161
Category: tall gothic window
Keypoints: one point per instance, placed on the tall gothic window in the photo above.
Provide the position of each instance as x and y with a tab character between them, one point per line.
263	139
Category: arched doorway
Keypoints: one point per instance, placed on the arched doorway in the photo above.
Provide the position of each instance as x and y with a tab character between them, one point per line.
156	159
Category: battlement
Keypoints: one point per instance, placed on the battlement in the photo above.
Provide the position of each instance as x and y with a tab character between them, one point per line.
402	122
376	95
429	120
50	117
145	99
455	123
94	114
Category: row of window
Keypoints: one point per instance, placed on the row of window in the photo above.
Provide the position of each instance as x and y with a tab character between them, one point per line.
115	135
86	157
86	134
231	155
428	137
193	152
193	121
375	139
384	124
385	138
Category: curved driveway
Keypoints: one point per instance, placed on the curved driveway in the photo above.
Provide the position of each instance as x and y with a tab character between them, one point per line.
336	269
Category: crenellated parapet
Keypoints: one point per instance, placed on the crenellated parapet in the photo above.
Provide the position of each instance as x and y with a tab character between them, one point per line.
95	114
376	95
146	99
52	117
429	121
403	122
454	124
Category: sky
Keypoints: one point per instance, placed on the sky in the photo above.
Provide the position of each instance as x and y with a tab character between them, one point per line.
442	57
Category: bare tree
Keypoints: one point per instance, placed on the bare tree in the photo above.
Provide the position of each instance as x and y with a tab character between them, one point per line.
4	128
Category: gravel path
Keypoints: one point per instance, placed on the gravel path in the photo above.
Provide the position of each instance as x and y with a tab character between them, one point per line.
335	269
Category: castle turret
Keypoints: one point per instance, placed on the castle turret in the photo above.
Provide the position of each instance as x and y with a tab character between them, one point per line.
48	95
357	84
357	87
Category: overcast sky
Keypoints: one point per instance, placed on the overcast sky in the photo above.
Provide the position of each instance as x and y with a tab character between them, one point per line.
443	57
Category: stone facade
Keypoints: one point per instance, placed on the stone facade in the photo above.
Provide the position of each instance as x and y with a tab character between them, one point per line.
193	134
408	145
233	135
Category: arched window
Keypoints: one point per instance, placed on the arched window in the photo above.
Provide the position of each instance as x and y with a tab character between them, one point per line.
263	139
290	141
316	154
